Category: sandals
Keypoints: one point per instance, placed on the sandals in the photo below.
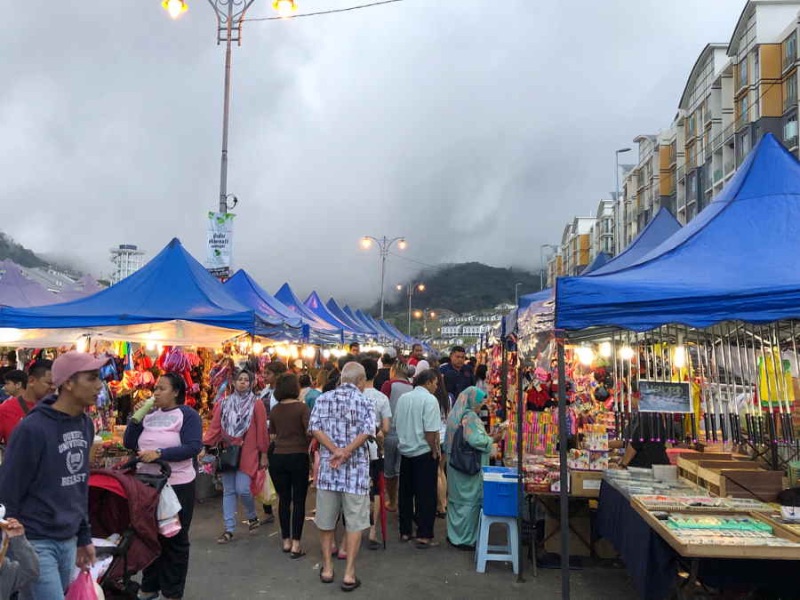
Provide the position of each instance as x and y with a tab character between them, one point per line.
225	538
348	586
253	524
374	545
299	554
425	545
324	579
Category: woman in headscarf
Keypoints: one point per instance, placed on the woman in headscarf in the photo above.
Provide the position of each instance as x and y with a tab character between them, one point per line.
465	492
240	420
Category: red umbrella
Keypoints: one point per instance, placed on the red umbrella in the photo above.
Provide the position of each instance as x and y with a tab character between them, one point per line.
382	498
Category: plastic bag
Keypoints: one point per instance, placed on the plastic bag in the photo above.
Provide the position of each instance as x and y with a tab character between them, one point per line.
267	493
83	588
168	508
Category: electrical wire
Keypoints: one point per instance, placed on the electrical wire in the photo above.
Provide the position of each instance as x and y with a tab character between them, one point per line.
324	12
419	262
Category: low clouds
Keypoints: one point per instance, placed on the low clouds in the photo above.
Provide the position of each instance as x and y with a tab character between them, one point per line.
474	128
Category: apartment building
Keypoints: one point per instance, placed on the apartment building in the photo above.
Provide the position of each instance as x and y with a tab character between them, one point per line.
734	94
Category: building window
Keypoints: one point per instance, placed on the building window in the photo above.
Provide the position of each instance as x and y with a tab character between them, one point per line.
743	72
790	51
790	92
742	111
790	133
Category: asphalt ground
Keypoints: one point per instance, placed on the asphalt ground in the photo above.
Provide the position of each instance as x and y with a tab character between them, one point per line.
253	566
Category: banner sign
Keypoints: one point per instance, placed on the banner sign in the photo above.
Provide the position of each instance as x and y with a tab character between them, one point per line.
219	244
665	397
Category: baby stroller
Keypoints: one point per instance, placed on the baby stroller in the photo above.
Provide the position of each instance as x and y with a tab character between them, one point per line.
125	503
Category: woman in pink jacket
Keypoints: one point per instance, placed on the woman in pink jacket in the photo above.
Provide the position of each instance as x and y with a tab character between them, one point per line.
240	420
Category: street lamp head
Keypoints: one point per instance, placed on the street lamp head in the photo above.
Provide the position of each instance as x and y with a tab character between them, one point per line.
622	150
418	314
399	287
402	244
366	243
175	8
284	8
421	287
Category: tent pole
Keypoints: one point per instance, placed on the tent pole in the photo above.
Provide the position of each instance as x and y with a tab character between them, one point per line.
564	476
520	490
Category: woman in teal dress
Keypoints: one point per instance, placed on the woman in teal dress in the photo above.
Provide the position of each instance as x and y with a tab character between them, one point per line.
465	492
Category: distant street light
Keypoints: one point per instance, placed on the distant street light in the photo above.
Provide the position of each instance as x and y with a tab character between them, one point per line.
410	289
516	293
384	245
424	314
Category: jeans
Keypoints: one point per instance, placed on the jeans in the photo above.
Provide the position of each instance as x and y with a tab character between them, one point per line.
167	574
418	476
289	473
236	485
56	562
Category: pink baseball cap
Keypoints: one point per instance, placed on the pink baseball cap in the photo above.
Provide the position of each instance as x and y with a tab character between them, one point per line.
69	363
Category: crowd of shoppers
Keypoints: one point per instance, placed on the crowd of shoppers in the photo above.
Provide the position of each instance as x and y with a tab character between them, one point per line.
370	424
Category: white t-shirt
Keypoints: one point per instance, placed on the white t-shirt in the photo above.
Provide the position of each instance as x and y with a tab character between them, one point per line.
383	410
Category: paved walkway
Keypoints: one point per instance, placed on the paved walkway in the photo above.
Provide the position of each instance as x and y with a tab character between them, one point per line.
253	567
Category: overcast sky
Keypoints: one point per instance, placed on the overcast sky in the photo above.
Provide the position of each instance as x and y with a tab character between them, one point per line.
475	128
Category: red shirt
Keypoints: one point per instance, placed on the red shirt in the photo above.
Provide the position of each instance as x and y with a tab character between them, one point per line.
413	361
11	414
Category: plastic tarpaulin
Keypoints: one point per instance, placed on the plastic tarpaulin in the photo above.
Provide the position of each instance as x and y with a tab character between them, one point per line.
324	331
173	286
314	304
734	261
600	260
19	291
343	317
247	291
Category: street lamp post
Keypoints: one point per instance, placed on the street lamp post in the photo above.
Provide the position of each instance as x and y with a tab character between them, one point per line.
516	293
230	15
620	205
410	289
423	314
541	262
384	245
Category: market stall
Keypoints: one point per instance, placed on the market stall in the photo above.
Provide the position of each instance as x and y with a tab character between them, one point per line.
702	337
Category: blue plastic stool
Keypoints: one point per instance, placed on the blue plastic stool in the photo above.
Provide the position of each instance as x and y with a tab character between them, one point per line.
506	553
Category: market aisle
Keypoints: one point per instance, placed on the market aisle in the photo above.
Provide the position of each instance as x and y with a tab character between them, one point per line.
254	567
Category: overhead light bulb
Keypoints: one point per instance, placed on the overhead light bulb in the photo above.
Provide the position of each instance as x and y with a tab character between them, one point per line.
284	8
326	354
82	345
366	243
626	353
585	355
605	349
258	348
175	8
309	352
679	360
402	244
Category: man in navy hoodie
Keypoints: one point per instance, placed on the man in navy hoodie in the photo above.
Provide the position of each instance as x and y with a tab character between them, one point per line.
44	480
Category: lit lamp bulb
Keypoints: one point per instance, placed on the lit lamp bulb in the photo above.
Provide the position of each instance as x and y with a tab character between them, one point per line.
284	8
402	244
82	345
585	355
258	348
175	8
309	352
605	349
326	354
626	353
421	287
366	243
679	360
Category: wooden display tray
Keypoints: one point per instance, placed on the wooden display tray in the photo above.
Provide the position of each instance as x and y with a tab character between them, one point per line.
740	480
711	551
689	465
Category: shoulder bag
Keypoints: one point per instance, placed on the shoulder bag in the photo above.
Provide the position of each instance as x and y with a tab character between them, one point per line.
228	458
463	457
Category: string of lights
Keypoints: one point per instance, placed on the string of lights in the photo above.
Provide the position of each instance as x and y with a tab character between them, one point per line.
324	12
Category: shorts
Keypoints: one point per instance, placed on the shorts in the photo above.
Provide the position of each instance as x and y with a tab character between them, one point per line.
375	468
391	456
353	507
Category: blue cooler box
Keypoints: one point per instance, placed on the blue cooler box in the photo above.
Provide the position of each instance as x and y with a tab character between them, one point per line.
500	491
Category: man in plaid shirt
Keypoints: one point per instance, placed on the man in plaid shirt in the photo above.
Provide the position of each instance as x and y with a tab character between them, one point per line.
342	421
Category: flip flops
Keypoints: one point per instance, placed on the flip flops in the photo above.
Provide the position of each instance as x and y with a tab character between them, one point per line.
300	554
425	545
351	585
324	579
374	545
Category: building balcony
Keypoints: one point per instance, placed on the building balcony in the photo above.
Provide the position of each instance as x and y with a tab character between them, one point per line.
788	62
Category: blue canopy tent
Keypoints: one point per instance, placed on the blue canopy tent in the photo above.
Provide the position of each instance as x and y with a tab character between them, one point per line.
172	299
343	317
733	262
599	261
314	304
405	339
374	331
369	320
324	332
247	291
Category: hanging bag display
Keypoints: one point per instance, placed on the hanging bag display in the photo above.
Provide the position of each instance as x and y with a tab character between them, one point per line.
463	457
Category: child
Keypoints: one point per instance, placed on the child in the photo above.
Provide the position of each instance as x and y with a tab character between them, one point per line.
24	568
